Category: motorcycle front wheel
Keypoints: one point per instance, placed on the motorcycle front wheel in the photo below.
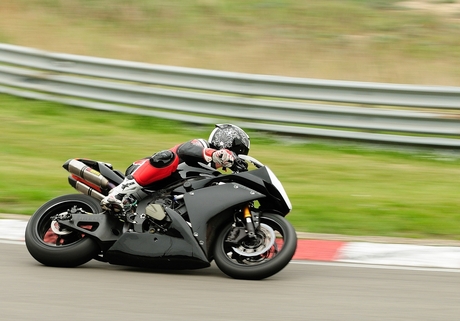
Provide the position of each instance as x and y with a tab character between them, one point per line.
52	245
260	257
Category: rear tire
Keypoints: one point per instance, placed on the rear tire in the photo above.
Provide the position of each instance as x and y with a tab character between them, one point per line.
263	260
69	250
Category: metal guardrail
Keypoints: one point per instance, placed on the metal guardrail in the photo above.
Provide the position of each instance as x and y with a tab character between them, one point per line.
280	104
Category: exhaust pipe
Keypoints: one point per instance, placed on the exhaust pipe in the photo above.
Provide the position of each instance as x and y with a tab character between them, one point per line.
81	170
85	189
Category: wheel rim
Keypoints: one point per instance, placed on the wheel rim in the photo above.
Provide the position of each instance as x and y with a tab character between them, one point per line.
50	233
264	247
260	244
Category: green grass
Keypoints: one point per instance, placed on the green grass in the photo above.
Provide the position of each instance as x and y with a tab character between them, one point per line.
334	187
364	40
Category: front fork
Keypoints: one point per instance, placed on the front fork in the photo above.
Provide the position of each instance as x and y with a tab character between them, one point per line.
249	221
250	225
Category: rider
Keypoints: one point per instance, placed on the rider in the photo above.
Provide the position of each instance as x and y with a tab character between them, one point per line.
225	141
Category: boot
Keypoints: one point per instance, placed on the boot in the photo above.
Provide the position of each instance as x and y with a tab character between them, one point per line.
114	200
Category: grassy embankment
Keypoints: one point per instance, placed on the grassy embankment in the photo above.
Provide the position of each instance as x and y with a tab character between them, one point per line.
364	40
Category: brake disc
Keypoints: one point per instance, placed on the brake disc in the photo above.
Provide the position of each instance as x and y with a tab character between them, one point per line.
266	237
55	227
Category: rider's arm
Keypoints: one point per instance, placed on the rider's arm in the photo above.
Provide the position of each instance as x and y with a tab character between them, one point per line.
194	151
198	150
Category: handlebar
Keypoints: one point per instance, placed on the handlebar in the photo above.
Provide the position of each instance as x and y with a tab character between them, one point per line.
242	161
239	165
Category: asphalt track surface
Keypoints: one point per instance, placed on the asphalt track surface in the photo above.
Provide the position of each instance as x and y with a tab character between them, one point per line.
302	291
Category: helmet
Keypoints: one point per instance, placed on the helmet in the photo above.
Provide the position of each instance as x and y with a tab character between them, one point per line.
230	137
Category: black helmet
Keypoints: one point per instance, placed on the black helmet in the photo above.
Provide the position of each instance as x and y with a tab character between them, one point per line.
230	137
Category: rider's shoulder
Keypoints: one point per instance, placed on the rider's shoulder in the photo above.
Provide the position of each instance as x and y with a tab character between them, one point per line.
199	142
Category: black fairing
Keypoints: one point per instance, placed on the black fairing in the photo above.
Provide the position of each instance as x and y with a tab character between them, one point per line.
260	181
211	199
203	204
160	250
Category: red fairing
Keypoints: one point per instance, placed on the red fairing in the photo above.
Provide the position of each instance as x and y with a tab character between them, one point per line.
146	174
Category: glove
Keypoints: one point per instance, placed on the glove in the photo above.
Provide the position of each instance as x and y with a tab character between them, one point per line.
223	157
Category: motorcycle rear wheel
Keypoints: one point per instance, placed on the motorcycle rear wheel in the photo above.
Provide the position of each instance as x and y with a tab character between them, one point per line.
276	247
67	248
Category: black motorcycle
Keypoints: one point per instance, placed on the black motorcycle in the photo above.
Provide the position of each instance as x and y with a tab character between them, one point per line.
195	216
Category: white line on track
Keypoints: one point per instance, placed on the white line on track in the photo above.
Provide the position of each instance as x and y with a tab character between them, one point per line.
374	266
335	264
12	242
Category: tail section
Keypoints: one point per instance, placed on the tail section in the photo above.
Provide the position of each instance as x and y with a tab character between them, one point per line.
86	178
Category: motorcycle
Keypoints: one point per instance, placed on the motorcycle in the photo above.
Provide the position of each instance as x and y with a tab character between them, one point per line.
186	221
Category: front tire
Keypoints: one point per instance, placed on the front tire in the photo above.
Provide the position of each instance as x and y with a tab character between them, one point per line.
67	248
277	245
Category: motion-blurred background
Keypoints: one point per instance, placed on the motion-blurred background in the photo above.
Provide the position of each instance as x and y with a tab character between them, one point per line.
367	40
344	188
